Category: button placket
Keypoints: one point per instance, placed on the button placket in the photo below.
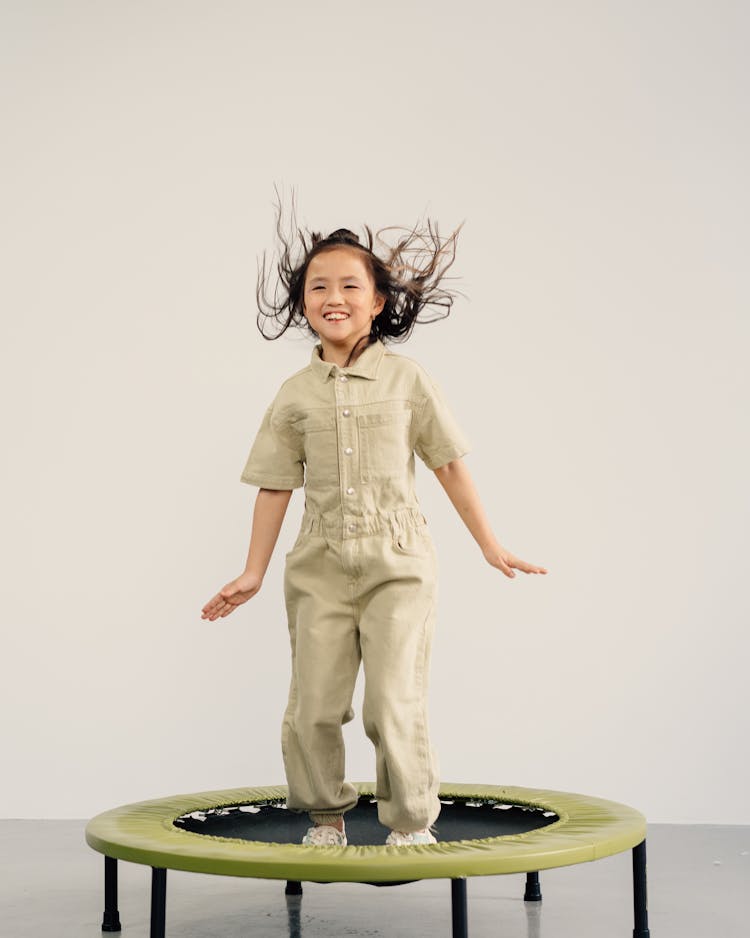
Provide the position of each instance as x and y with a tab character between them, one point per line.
346	435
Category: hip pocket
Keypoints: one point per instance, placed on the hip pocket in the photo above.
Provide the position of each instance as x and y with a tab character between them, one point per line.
413	541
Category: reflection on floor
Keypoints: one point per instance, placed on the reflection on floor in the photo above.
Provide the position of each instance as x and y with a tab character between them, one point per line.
51	886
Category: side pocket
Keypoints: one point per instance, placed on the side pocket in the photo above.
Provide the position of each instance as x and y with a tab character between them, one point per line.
412	541
301	538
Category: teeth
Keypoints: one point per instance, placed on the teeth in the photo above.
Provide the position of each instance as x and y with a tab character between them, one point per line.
335	316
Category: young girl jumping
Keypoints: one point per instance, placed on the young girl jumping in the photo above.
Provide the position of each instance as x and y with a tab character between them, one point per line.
360	580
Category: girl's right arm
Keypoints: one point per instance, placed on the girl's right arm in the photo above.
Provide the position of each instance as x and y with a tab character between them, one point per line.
268	515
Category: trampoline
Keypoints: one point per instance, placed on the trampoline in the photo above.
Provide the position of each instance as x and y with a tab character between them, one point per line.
482	830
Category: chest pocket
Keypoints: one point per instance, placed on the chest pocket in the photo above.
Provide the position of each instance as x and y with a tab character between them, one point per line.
318	433
384	444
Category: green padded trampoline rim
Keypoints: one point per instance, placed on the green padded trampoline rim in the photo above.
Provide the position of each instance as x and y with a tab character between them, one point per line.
588	829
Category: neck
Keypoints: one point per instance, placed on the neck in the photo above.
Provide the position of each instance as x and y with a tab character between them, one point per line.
338	354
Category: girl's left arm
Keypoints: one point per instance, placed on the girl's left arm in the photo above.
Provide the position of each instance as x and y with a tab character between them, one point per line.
457	482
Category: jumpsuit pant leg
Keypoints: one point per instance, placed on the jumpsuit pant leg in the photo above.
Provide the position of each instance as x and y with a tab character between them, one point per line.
325	662
397	619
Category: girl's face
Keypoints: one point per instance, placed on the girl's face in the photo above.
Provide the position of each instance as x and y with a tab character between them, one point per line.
339	299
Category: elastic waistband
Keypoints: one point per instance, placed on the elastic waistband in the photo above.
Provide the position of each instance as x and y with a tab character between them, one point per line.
335	524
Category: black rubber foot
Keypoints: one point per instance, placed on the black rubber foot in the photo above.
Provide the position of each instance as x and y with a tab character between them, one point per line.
111	922
642	933
293	888
533	892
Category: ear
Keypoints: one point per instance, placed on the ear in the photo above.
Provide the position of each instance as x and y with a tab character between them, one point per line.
379	304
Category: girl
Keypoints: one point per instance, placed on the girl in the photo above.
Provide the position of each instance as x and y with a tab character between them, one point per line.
359	582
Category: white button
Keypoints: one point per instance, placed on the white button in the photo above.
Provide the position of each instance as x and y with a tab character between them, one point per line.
343	378
346	412
350	491
348	451
352	527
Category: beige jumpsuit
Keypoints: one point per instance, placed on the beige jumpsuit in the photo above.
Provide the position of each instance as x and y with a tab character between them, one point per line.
360	581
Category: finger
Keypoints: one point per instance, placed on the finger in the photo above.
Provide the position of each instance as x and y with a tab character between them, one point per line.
225	608
230	607
213	602
216	608
524	566
532	568
505	567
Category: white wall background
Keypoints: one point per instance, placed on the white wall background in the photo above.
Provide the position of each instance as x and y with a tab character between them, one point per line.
599	154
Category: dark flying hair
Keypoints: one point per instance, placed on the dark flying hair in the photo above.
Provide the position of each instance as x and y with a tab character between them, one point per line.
408	277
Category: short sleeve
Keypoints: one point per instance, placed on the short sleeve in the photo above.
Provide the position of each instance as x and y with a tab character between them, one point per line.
276	459
439	439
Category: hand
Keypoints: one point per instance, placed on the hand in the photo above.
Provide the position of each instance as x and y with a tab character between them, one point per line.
501	558
232	595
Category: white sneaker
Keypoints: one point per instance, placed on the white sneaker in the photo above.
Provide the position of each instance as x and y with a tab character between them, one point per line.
400	839
323	835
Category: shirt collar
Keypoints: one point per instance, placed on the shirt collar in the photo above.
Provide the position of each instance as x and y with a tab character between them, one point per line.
366	366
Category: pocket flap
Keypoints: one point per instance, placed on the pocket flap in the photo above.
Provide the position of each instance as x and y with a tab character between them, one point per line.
390	417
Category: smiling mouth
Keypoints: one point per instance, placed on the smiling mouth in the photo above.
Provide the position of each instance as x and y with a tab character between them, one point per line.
335	317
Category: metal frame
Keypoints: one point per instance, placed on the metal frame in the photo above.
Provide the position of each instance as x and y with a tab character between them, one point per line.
459	903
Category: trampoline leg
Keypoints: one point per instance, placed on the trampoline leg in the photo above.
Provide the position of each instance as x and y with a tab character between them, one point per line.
293	888
294	911
640	900
111	920
458	908
533	891
158	902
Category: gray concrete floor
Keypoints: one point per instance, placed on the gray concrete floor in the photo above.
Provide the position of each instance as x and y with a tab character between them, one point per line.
51	886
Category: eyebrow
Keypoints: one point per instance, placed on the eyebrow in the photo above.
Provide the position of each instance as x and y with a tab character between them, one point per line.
348	277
